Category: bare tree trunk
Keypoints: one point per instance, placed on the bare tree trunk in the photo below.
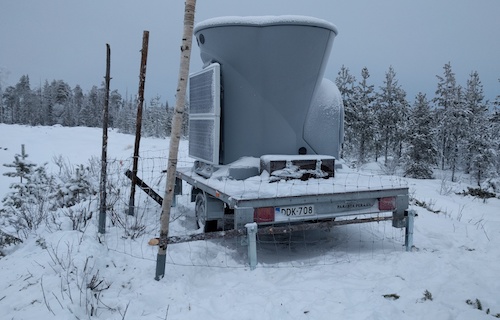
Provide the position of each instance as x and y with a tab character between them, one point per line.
175	136
104	155
138	124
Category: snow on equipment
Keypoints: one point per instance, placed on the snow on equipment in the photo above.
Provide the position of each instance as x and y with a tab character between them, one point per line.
266	130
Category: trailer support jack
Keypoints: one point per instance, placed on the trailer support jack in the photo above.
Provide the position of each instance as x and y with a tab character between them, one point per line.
410	217
252	244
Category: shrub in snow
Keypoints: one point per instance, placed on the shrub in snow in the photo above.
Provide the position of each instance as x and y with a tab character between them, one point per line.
76	188
25	207
7	240
418	170
28	204
81	282
482	164
75	192
427	296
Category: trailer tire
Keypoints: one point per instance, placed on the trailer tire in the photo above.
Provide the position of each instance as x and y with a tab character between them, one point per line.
201	214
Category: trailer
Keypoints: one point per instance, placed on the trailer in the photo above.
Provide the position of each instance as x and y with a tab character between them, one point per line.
266	131
271	199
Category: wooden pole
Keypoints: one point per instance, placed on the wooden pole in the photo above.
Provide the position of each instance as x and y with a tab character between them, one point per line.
102	191
175	136
140	103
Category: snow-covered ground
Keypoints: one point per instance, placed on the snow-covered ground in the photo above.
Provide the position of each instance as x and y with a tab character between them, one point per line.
349	272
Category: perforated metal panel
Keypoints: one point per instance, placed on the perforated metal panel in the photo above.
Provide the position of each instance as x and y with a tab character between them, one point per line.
204	114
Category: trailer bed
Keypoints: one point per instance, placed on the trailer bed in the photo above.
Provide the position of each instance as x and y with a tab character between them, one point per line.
348	193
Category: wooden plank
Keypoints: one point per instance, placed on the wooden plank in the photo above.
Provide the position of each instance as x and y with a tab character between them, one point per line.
265	230
150	192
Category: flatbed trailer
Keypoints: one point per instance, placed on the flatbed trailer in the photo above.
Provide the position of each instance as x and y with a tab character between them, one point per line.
262	202
267	199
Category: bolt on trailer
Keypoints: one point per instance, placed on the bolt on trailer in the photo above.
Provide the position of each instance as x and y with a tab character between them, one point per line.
266	130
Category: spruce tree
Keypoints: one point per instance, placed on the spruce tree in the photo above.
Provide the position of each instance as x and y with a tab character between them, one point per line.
420	156
9	98
73	189
21	165
478	119
458	125
363	119
24	208
391	112
495	128
446	97
345	82
77	104
25	107
115	104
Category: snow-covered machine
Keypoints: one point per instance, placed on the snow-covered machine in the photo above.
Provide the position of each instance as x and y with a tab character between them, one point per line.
268	72
266	130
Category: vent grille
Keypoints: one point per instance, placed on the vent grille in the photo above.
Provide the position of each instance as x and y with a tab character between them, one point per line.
204	114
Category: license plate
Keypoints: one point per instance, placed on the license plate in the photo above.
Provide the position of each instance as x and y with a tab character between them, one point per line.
295	211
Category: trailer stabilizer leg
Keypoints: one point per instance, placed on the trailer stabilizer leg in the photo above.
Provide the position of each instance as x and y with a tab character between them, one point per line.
160	266
252	244
410	216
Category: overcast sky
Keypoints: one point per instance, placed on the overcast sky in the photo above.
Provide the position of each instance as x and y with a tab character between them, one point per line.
66	40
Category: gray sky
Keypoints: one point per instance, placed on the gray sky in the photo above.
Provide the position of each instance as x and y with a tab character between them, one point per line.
66	40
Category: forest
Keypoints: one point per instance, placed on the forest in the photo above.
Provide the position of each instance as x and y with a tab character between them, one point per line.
456	129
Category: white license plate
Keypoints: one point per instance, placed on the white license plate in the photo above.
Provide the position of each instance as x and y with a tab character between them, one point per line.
295	211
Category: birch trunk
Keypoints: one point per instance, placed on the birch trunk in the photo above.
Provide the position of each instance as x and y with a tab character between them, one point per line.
175	136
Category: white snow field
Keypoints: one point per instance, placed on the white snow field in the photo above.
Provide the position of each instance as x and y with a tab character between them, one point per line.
349	272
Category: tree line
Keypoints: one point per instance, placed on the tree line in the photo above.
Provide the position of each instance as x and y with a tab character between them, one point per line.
456	129
57	103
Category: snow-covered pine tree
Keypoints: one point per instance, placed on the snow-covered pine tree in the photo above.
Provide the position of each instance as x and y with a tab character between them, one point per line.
482	163
155	119
7	240
1	98
480	146
90	114
25	207
25	106
115	105
63	113
391	113
495	120
9	99
22	166
75	188
345	82
458	118
125	121
495	128
446	97
420	156
77	104
45	114
497	101
364	118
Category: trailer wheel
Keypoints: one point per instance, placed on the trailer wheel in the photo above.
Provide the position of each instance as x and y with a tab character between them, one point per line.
201	214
